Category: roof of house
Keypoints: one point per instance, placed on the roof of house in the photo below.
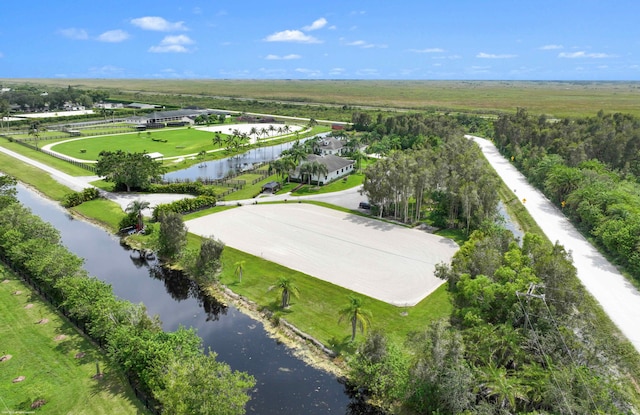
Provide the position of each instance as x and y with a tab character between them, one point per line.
271	185
332	162
158	115
330	143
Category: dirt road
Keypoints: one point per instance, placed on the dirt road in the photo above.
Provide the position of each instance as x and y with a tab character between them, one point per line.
617	296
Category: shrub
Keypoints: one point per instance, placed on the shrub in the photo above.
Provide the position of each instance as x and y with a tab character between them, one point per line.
78	198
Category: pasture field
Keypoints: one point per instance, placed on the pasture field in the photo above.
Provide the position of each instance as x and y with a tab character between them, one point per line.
178	142
554	98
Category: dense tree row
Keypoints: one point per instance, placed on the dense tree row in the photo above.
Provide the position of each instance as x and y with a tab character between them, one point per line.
171	367
31	98
447	176
590	169
520	340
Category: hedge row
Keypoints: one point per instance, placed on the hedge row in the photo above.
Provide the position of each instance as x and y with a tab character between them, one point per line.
186	205
193	188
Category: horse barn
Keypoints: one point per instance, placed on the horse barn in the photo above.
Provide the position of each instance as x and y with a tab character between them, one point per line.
173	118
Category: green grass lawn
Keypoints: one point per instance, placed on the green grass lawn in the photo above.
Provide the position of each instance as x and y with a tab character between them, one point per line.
61	165
352	180
178	142
34	177
105	212
51	370
316	309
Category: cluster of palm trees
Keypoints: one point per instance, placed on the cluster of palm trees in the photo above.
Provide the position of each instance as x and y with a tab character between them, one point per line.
313	168
236	138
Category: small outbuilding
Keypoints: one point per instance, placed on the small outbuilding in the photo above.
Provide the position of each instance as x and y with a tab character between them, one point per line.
271	187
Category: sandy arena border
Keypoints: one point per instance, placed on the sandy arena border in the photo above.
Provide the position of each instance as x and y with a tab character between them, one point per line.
388	262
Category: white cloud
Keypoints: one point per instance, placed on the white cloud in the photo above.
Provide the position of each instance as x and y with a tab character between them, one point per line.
364	45
285	57
483	55
106	70
291	36
113	36
172	44
318	24
583	54
73	33
309	72
336	71
551	47
158	24
427	50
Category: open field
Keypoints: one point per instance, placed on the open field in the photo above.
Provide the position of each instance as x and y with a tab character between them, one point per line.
556	99
45	354
178	142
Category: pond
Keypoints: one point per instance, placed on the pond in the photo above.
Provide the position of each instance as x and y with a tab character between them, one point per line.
284	383
218	169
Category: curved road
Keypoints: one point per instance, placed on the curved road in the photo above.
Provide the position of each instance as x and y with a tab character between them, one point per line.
617	296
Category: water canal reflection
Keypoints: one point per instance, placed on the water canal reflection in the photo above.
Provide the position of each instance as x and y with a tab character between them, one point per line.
285	384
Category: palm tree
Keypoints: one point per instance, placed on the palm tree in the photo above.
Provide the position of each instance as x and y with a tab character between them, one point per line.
501	385
217	140
305	170
287	290
239	269
286	129
356	315
264	131
272	129
320	169
135	208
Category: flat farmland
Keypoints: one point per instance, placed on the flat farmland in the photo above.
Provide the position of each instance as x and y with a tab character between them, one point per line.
553	98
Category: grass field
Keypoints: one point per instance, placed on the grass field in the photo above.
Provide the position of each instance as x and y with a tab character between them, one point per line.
50	368
557	99
175	142
316	309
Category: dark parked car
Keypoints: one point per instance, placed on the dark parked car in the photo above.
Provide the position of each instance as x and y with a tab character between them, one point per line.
364	205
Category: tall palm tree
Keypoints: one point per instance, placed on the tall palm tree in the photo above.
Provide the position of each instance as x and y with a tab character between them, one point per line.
239	270
272	129
135	208
287	288
264	131
217	140
286	129
356	315
320	169
305	170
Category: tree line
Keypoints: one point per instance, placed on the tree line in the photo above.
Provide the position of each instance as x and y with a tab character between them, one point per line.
431	171
522	339
589	168
172	367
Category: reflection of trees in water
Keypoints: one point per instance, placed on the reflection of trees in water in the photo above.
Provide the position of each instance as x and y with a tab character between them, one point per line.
357	401
180	288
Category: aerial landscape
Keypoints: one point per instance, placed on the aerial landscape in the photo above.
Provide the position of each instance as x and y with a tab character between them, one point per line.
216	208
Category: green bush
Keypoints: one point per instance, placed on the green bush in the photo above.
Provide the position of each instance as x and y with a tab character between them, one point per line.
78	198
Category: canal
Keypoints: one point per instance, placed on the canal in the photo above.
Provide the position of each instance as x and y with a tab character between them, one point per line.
284	383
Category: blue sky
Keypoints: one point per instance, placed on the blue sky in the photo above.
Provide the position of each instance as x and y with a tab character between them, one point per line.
328	39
